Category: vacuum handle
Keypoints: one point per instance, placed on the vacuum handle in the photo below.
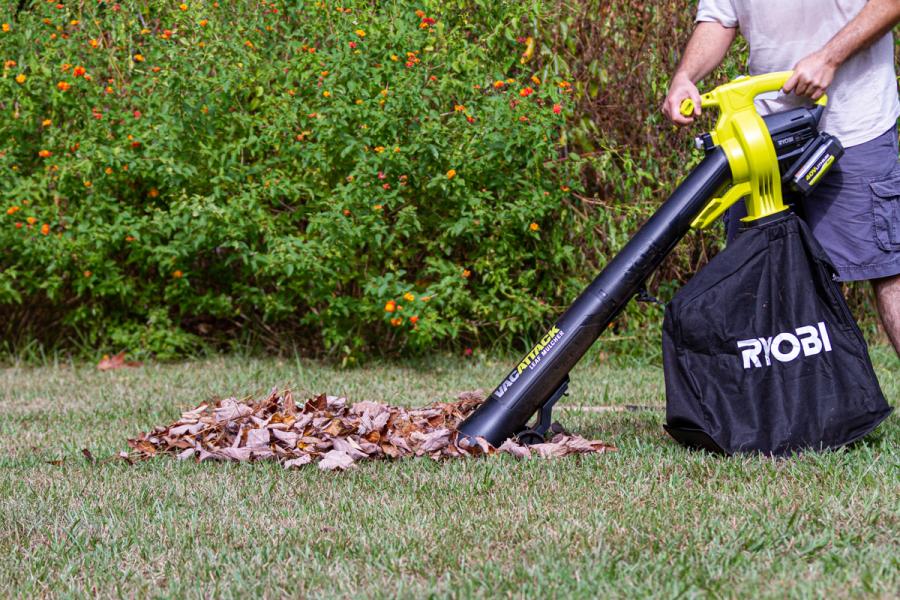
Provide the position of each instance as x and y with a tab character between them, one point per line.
744	88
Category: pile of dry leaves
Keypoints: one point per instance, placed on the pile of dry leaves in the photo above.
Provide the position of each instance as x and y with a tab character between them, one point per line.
333	432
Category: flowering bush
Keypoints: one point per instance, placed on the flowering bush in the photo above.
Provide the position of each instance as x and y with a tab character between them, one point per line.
322	173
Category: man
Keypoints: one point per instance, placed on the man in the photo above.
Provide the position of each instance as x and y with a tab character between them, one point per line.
844	47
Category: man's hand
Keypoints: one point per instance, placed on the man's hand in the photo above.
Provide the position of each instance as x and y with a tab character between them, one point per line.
680	89
812	75
707	47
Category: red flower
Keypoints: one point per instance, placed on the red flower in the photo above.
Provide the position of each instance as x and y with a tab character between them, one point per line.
352	44
137	114
557	109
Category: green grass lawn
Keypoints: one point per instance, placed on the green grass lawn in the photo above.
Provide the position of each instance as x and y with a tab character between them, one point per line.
649	520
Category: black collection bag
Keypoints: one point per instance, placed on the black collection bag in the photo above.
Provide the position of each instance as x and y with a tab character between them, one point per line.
761	353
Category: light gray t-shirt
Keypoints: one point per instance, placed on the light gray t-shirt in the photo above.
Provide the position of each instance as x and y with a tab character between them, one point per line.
862	99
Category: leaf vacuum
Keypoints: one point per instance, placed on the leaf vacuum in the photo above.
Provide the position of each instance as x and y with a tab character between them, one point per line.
760	352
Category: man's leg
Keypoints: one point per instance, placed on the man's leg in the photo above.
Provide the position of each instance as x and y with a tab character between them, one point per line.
887	298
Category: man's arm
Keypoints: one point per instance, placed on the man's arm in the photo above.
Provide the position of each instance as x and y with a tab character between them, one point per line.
705	50
814	73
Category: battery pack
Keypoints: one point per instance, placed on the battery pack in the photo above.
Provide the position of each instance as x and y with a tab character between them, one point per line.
816	160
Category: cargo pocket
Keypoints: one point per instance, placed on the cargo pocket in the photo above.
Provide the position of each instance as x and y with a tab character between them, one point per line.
886	210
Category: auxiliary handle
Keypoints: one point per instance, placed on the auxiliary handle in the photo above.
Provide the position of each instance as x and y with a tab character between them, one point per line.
744	137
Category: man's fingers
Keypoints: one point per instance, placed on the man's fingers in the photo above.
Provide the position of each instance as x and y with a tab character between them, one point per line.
817	93
789	85
695	96
802	87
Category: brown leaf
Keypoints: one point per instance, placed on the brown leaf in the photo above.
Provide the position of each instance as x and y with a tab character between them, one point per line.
517	450
289	438
258	438
349	447
432	441
336	459
117	361
303	459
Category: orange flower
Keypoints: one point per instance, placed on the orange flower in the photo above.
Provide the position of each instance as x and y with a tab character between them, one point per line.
9	64
87	273
346	212
87	184
203	22
379	149
535	80
46	123
499	84
63	86
12	210
5	27
31	220
45	229
327	94
525	92
451	173
414	319
409	297
360	33
153	193
378	208
390	307
420	13
177	274
426	298
20	78
183	6
138	58
78	71
397	321
129	238
108	170
466	273
94	43
534	227
44	153
459	108
248	43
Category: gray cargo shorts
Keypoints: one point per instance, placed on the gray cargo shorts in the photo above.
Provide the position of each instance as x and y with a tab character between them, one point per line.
854	212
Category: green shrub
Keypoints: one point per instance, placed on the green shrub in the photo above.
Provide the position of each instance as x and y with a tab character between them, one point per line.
182	173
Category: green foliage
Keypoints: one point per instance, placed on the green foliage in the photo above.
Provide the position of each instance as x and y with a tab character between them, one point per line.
237	172
182	173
